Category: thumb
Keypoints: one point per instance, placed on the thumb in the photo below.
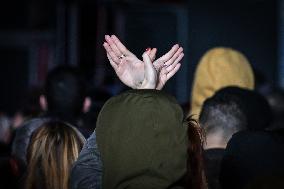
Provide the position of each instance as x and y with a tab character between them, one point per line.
150	75
147	61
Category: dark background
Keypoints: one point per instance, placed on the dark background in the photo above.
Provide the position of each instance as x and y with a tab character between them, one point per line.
37	35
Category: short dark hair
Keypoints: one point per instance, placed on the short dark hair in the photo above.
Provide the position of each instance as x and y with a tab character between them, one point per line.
65	91
222	112
252	105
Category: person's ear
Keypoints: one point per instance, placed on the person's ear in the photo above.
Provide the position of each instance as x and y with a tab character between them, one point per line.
43	102
87	104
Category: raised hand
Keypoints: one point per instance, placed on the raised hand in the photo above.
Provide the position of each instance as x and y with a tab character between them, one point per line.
130	69
127	66
168	65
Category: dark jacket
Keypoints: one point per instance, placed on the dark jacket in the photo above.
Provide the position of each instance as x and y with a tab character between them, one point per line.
251	156
212	160
87	170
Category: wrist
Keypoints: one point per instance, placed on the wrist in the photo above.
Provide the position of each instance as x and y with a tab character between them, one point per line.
147	85
137	85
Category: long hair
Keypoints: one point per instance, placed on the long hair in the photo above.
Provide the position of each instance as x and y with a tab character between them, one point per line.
195	177
53	149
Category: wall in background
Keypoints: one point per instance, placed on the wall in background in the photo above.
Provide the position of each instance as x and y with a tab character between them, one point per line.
73	33
248	26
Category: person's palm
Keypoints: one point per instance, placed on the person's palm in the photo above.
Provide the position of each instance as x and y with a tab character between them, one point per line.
127	66
130	69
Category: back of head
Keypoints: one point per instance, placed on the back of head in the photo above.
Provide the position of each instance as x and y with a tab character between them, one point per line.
218	68
53	149
254	106
143	140
65	91
223	114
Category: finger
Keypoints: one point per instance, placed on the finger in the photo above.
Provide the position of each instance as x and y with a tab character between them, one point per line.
107	47
152	54
169	54
111	53
113	64
166	75
174	71
112	45
163	71
173	65
174	57
160	62
162	78
120	46
148	50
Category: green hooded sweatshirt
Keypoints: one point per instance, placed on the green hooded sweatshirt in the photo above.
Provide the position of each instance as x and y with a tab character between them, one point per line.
142	140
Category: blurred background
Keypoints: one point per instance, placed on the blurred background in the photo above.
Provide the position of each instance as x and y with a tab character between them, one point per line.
37	35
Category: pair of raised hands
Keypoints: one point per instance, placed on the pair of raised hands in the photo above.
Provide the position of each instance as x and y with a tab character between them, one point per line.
146	74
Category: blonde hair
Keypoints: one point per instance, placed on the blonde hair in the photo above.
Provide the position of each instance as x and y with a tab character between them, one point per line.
54	147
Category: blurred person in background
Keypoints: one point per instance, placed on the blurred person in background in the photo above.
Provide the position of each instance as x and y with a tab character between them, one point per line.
98	96
8	179
219	67
228	111
221	116
5	135
64	98
253	158
65	95
53	149
29	108
276	102
252	104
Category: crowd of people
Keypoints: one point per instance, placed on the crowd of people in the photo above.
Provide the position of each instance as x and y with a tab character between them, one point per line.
231	137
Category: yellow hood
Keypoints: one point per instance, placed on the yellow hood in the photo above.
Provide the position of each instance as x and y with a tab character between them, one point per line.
218	68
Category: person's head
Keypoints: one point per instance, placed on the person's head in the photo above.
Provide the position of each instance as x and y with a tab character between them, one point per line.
218	68
53	149
65	93
232	109
254	106
145	142
221	116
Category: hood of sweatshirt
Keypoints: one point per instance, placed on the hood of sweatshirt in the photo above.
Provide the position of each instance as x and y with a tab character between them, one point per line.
142	140
219	67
